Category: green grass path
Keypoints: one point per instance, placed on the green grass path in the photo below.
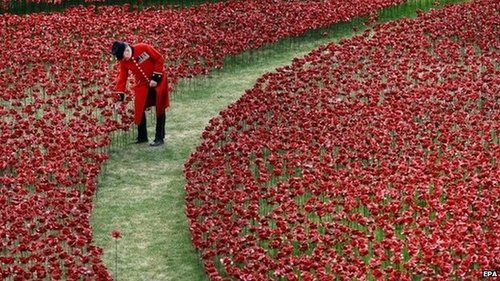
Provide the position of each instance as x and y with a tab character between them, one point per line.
141	192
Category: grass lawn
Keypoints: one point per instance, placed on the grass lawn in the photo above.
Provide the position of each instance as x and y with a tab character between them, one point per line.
141	191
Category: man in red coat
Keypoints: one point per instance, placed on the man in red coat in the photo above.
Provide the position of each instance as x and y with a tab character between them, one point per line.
150	85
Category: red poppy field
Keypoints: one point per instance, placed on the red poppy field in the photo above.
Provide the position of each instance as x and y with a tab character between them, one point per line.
375	158
57	121
372	159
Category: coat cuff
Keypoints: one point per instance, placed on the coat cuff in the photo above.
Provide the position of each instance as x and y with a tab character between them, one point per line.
156	77
120	96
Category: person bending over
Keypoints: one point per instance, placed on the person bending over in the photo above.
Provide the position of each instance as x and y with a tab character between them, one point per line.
150	88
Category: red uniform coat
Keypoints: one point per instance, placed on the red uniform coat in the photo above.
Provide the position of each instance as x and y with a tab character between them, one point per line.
145	62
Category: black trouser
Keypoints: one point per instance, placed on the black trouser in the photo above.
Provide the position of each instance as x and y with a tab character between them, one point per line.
160	123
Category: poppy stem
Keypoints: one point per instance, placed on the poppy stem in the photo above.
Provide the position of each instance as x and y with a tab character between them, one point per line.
116	259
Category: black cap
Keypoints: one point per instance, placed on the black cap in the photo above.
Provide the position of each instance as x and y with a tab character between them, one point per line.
118	48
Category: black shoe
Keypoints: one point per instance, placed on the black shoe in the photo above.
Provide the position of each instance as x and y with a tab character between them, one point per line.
156	143
141	141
